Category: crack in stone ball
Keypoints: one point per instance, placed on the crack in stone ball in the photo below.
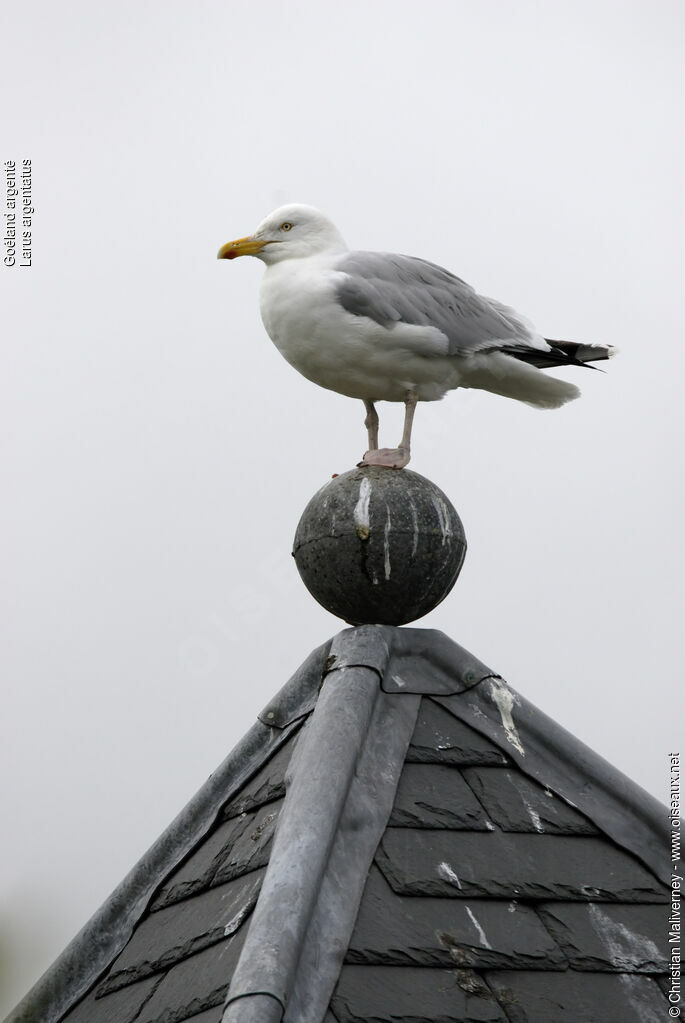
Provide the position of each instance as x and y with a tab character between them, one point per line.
379	546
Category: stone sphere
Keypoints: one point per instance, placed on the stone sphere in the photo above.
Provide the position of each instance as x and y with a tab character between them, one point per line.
379	546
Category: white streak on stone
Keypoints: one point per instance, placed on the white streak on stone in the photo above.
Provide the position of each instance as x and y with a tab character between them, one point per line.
535	817
398	681
386	545
626	950
477	711
415	520
504	700
443	518
361	510
446	872
481	933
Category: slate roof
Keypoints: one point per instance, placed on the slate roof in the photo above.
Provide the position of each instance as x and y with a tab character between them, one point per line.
444	853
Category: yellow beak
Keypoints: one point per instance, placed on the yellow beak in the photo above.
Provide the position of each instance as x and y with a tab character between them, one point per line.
241	247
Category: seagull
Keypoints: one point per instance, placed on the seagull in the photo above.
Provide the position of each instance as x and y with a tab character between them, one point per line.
385	327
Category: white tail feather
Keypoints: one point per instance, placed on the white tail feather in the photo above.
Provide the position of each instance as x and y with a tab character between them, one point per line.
508	376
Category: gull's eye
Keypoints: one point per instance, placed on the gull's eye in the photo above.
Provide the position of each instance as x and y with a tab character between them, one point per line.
287	226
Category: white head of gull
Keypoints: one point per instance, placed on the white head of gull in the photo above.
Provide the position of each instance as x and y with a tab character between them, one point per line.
385	327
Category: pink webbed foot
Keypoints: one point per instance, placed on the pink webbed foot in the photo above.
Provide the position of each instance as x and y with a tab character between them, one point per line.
390	458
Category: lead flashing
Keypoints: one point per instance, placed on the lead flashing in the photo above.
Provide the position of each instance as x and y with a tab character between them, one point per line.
429	662
298	696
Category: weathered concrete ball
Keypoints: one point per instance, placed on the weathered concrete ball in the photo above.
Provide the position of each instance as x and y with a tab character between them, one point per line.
379	546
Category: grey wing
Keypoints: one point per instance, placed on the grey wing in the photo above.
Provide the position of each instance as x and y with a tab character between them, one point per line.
391	289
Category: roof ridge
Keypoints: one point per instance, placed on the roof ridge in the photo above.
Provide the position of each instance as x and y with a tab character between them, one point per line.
341	787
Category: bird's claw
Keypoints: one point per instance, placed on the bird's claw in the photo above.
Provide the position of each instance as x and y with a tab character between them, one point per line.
389	458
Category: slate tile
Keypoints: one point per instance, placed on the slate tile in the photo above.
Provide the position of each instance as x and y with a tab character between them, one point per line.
440	738
209	1016
120	1007
518	803
252	847
547	867
235	847
196	873
196	984
180	930
391	994
436	796
601	936
574	997
395	930
267	785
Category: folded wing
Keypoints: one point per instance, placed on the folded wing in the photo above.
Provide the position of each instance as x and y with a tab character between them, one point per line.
392	289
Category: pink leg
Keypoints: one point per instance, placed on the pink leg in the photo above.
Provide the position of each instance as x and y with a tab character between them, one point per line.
395	458
371	424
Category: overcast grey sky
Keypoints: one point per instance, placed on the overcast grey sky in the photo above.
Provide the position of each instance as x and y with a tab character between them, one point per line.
160	451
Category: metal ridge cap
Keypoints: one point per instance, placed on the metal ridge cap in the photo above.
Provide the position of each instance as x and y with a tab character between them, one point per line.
317	786
95	946
361	646
299	694
548	752
340	788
